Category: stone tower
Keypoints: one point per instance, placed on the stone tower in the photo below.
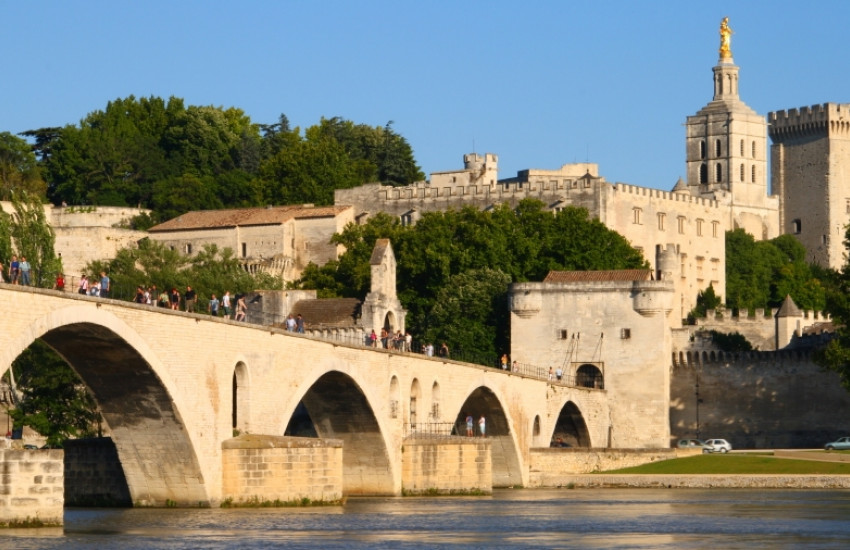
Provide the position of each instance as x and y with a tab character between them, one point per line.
382	308
810	157
726	151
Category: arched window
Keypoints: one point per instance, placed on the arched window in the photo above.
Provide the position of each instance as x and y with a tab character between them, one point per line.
703	173
718	173
536	429
754	173
702	149
754	149
742	171
717	148
742	147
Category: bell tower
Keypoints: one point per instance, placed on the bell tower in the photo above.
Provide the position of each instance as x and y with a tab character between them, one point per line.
726	149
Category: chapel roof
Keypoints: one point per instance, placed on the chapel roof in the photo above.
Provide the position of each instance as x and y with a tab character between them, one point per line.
789	308
598	276
216	219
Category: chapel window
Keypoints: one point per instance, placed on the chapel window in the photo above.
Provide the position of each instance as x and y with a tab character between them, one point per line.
754	173
702	149
718	149
742	147
703	173
754	149
718	173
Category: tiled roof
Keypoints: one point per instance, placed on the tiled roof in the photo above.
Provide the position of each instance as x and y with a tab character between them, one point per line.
597	276
213	219
340	312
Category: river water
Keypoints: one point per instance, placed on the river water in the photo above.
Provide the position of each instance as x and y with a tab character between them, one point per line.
530	518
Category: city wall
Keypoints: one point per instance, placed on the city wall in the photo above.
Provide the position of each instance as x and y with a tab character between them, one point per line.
778	399
554	467
31	487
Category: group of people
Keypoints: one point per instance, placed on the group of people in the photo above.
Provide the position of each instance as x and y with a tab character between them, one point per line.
470	426
89	287
556	374
295	324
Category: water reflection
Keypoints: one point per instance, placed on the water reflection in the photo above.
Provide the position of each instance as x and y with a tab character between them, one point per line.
562	518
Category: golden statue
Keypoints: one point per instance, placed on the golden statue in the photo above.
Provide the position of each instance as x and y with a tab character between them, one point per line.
725	39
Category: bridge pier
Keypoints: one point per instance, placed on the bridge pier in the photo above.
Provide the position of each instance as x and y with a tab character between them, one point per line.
31	488
451	465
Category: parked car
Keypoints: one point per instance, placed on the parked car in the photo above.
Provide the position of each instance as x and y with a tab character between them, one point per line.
839	444
718	445
693	444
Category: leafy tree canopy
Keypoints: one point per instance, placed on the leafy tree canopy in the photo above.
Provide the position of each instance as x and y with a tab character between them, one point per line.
19	170
759	274
171	158
836	355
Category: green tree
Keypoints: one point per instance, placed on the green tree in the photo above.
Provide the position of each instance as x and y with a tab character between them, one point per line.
19	170
51	399
759	274
836	354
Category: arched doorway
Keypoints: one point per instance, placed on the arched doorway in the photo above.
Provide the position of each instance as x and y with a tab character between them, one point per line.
503	452
335	408
571	427
589	376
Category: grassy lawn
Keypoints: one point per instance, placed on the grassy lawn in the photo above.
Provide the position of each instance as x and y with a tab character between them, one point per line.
737	464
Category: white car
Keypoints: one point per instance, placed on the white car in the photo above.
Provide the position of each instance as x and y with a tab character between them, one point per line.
718	446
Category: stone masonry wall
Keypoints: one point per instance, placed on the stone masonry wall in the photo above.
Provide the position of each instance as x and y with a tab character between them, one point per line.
552	467
757	400
446	466
257	469
31	486
93	474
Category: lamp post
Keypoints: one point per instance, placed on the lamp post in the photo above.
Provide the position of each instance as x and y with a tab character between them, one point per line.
696	392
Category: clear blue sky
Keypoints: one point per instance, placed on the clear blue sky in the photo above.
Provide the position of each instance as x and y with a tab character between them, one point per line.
538	83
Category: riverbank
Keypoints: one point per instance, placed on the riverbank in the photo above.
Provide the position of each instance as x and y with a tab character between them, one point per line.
701	481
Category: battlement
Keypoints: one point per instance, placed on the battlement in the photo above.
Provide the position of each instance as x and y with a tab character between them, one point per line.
651	193
693	359
816	119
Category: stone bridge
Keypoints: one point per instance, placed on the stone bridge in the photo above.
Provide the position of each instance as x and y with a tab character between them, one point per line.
173	387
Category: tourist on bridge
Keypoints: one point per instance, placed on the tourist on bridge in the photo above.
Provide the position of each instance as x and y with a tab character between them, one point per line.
299	324
25	271
225	304
373	339
213	307
444	351
14	270
174	299
241	308
290	323
105	285
60	282
84	285
469	425
164	300
189	299
482	426
504	361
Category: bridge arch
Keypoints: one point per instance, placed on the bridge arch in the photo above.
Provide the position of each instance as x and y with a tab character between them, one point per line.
135	396
571	426
506	467
339	409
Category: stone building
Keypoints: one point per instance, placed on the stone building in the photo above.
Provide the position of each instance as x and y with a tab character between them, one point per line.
597	327
810	161
281	240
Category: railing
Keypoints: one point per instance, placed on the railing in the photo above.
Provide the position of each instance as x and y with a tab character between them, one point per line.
431	430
